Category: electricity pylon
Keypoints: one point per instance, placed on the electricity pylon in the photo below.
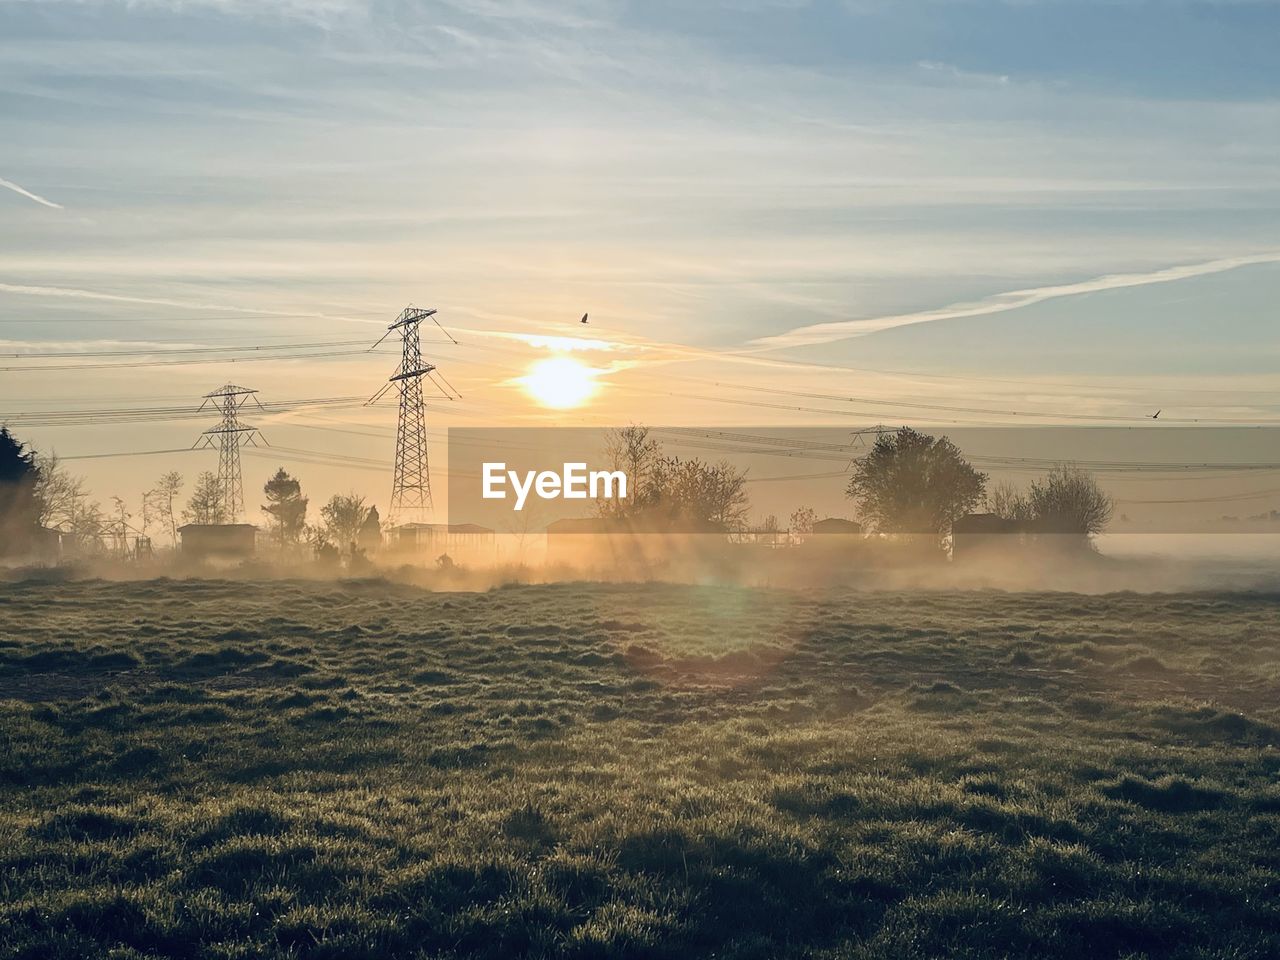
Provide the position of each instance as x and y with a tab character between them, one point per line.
411	484
232	435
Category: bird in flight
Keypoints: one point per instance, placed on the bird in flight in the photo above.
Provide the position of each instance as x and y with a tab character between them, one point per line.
1156	415
584	318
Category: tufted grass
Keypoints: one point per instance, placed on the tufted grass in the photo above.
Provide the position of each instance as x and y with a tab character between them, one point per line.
216	769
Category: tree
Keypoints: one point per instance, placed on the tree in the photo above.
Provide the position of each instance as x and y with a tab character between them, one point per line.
1009	503
913	483
370	535
286	506
58	491
85	522
671	488
1070	501
635	453
699	491
120	526
802	521
343	516
163	498
20	506
205	505
148	515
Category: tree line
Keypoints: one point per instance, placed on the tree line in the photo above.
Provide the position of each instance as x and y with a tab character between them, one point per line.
38	492
910	483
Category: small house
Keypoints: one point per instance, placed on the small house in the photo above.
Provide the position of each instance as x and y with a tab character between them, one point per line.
226	541
981	531
837	526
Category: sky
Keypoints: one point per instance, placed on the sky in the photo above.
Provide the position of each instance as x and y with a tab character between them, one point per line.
1042	206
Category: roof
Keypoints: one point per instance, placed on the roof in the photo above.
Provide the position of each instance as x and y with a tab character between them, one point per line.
645	523
836	525
446	527
984	523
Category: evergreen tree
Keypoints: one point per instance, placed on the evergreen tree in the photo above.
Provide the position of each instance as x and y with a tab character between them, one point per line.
19	500
286	506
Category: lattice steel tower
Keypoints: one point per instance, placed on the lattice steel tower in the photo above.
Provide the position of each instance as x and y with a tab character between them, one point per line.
232	435
411	486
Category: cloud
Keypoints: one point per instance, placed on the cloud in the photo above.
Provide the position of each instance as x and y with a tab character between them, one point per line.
76	293
1002	303
555	343
950	70
23	191
319	13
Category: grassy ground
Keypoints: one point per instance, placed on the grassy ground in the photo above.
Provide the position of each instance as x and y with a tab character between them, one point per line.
214	769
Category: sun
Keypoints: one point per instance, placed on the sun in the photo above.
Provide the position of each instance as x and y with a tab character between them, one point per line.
560	382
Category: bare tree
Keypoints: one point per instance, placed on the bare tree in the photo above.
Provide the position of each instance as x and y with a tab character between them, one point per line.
86	522
58	492
1009	503
670	487
119	526
205	504
1069	500
163	499
700	491
343	516
635	453
802	521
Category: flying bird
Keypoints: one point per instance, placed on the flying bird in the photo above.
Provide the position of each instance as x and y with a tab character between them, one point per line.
584	318
1156	415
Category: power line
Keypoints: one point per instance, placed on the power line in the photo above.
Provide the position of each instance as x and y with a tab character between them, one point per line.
161	351
194	348
110	415
799	476
125	453
784	361
982	411
1226	498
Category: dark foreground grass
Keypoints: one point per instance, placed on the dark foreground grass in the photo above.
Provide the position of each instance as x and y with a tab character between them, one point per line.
210	769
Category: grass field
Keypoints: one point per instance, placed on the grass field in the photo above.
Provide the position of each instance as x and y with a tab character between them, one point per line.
219	769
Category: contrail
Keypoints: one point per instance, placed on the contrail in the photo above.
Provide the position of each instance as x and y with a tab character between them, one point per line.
29	290
1001	303
77	293
29	195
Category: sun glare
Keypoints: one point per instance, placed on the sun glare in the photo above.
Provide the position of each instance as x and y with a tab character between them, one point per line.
560	382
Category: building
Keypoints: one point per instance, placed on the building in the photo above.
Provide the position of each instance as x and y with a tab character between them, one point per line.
464	542
837	526
982	531
225	541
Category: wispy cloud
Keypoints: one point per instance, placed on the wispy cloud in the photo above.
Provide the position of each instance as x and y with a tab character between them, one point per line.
319	12
556	343
1003	302
954	72
23	191
76	293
